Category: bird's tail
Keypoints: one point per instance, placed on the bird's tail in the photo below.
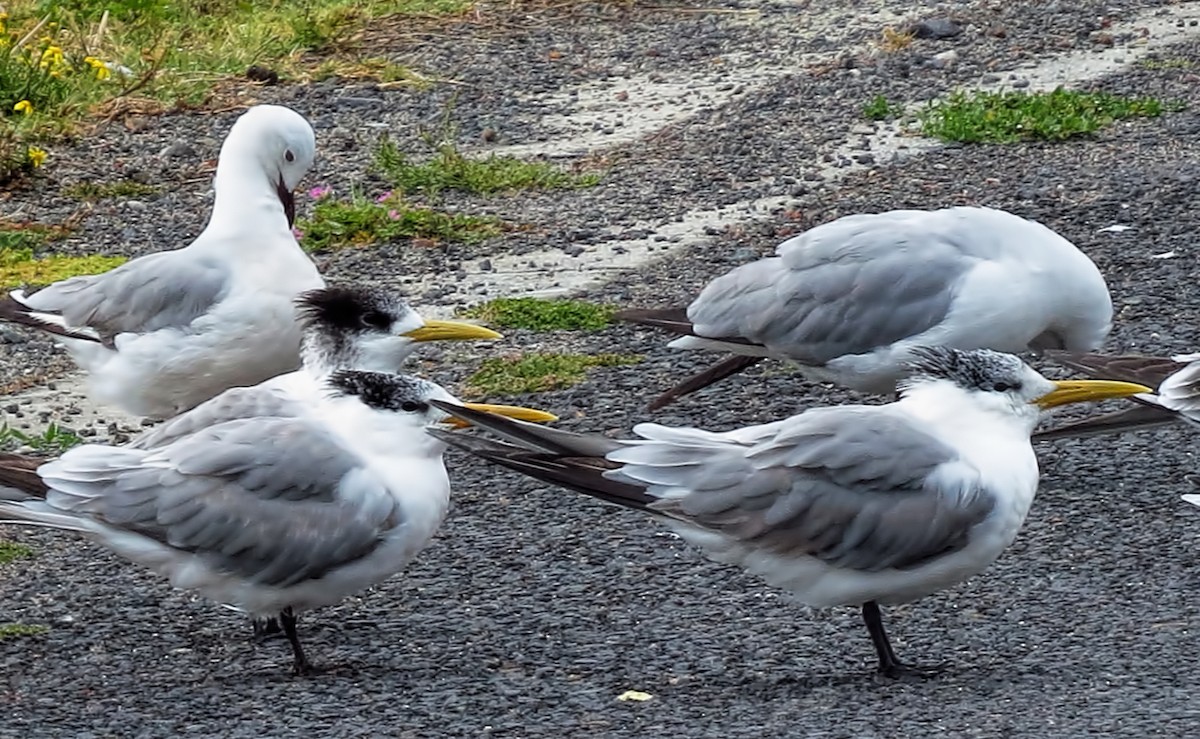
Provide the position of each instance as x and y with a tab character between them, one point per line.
674	320
573	461
35	512
719	371
1144	370
19	479
14	308
1137	368
1137	418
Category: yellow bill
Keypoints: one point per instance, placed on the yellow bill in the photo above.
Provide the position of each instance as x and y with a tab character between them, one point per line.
511	411
451	331
1082	391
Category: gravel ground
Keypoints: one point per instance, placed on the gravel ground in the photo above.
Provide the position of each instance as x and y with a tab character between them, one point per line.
535	608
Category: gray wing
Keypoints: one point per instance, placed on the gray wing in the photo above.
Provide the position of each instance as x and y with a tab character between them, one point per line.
855	487
232	405
149	293
266	499
846	287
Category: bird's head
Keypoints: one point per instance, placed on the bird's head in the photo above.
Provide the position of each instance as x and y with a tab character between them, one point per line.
1000	383
281	144
368	328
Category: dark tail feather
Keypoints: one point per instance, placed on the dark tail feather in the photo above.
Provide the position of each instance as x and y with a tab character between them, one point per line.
581	474
1139	417
531	436
715	373
674	320
1137	368
17	312
19	479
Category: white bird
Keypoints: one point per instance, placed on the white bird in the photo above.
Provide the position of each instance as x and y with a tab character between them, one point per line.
164	332
850	505
272	513
356	327
849	299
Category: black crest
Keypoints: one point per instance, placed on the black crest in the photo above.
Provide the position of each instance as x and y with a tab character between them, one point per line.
351	308
382	390
971	368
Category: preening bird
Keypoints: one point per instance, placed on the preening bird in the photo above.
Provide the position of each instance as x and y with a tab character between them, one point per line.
165	332
848	300
273	512
848	505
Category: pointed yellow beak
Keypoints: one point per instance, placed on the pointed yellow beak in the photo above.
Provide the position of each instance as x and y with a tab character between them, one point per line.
1081	391
451	331
512	411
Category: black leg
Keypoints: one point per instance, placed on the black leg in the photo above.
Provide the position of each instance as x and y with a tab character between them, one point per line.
300	663
265	628
888	664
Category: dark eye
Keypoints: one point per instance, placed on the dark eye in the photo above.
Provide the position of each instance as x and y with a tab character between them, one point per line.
288	155
412	406
375	319
1004	387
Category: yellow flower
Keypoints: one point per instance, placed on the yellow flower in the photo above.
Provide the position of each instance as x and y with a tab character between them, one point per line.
52	55
24	106
35	156
102	70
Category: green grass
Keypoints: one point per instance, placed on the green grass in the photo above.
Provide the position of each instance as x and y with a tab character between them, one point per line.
1168	63
537	372
879	109
359	221
449	169
18	267
538	314
1006	117
93	191
10	551
14	631
54	440
67	58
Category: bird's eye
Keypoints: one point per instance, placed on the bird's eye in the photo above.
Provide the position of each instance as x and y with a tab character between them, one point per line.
411	406
288	155
375	319
1004	387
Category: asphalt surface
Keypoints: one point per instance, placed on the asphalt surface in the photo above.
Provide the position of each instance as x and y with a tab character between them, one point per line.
535	609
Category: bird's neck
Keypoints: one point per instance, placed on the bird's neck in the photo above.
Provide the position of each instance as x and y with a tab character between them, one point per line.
990	440
322	354
246	199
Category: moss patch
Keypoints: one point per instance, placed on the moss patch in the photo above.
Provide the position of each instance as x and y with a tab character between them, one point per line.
19	268
360	221
538	314
536	373
14	631
449	169
1006	117
10	551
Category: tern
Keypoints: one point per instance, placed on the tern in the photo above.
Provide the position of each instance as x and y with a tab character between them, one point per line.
848	300
271	513
848	505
